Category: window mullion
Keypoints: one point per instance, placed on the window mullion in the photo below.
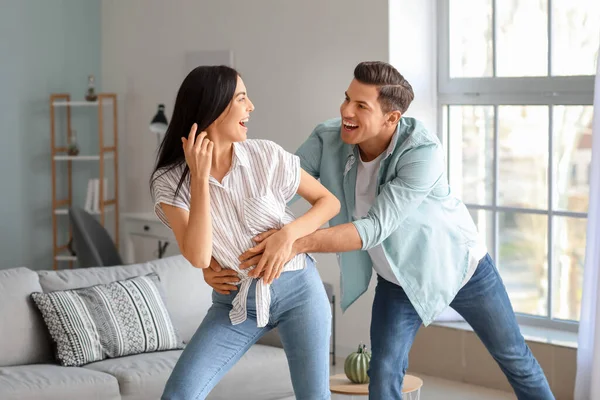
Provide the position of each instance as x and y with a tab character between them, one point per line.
446	111
521	85
495	172
550	206
554	213
515	99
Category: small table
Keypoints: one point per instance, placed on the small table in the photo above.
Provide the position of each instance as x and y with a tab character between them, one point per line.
341	385
144	225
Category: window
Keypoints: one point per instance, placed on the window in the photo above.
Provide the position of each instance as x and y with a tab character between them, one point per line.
515	91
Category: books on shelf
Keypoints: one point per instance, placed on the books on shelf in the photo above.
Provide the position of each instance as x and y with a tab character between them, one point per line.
92	199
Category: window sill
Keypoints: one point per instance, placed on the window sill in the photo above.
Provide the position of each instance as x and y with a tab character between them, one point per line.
535	334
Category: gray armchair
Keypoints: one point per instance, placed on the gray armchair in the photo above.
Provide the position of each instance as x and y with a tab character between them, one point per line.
92	244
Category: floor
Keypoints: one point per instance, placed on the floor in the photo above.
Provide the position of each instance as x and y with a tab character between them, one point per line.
437	388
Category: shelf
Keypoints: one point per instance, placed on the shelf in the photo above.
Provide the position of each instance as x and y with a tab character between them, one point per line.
82	103
82	158
65	256
65	211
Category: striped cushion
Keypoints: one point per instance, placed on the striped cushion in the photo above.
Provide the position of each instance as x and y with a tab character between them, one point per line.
106	321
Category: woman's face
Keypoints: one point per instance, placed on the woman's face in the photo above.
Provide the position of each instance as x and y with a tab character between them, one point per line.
231	124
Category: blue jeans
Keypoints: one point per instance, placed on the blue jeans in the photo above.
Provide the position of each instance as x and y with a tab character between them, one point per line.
301	312
484	304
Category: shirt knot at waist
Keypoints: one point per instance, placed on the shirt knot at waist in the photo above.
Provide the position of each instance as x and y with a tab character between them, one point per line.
239	312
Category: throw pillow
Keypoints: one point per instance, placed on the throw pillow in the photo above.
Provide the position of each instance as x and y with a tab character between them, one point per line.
106	321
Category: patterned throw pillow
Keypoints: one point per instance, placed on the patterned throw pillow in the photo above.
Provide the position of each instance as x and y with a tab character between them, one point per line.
106	321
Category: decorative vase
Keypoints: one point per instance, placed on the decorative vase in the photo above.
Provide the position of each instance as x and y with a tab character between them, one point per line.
72	147
91	94
357	365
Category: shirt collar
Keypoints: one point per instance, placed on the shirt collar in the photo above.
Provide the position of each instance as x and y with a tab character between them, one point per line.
239	159
240	156
393	142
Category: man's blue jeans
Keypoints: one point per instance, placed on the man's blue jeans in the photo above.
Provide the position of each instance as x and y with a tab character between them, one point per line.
484	304
301	312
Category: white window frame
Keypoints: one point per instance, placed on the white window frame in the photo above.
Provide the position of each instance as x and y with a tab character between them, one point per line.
492	91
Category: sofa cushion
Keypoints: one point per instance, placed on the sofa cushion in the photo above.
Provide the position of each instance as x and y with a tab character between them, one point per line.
187	296
113	320
142	376
53	382
23	336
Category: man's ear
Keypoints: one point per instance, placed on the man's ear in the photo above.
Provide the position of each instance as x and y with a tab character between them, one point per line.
393	117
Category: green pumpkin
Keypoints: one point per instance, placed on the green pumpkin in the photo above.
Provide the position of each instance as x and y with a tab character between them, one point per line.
357	365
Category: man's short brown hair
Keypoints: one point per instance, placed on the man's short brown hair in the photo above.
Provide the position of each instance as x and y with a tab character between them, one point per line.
395	93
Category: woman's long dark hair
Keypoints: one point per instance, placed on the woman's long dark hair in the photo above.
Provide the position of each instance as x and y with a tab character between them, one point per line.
203	96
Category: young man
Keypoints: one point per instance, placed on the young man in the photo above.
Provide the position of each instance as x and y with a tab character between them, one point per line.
400	218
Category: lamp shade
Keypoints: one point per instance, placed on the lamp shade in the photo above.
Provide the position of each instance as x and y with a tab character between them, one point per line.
159	123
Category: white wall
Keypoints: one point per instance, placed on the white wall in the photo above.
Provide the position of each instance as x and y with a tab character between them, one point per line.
296	59
413	52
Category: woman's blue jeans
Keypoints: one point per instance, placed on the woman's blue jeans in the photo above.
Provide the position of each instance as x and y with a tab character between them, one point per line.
301	312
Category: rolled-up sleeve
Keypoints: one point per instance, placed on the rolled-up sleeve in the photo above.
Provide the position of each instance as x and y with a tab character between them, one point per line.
417	173
163	189
310	154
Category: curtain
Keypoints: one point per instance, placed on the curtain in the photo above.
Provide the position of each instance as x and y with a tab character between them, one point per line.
587	385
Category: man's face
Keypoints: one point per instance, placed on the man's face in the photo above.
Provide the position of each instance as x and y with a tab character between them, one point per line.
362	117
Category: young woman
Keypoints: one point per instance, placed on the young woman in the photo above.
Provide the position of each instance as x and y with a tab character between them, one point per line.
216	191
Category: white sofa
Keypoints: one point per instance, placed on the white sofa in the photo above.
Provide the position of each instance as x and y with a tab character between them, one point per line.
28	370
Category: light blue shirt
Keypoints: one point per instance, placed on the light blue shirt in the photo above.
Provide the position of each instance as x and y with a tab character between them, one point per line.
426	233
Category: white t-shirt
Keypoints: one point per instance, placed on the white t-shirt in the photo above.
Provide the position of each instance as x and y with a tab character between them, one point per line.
366	191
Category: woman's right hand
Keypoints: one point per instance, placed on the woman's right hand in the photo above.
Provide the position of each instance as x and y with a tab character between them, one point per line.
198	153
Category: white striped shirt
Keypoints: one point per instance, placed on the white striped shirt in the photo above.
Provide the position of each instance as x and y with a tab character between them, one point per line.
250	200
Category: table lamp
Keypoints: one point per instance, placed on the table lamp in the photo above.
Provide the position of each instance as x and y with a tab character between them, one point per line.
159	123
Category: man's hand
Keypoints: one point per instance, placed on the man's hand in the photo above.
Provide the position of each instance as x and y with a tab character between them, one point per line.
276	251
253	256
220	279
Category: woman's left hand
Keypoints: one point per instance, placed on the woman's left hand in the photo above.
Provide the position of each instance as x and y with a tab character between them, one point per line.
276	252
